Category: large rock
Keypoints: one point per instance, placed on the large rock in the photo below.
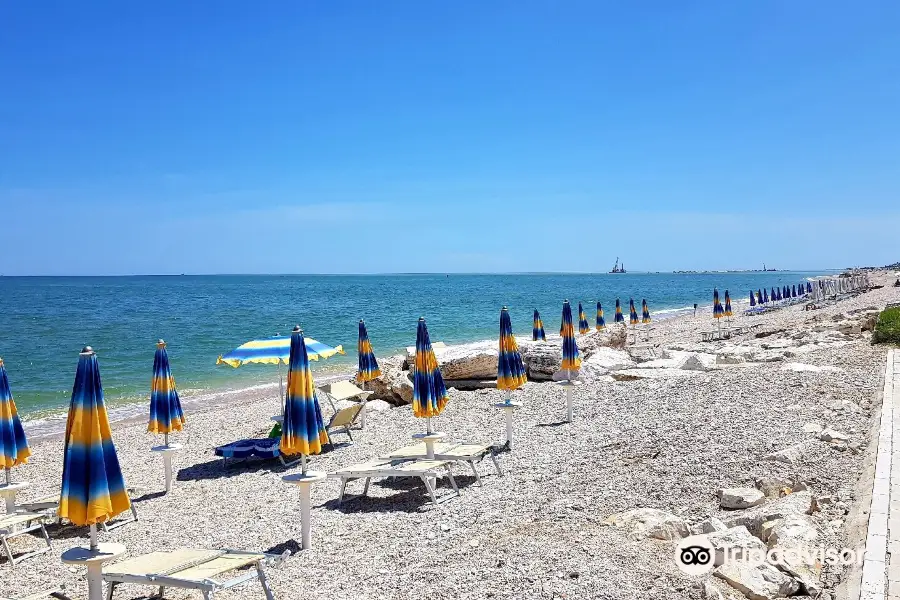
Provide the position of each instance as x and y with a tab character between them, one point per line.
604	361
651	522
796	504
710	525
699	362
798	453
833	435
739	498
542	359
757	582
793	542
717	589
736	543
394	385
469	361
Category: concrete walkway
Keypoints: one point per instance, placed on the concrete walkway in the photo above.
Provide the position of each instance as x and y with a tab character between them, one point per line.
881	567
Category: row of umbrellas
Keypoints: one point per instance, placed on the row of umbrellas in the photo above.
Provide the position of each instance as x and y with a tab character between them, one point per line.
537	331
787	292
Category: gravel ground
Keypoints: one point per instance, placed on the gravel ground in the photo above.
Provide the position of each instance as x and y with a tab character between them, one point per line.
539	530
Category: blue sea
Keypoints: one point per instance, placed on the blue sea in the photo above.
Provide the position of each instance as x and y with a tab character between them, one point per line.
45	321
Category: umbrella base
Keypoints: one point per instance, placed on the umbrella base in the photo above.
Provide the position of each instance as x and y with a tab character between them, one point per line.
167	452
93	560
8	492
508	409
304	481
430	439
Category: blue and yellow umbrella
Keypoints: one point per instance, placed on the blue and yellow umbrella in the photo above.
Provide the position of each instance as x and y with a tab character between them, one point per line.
619	317
752	299
773	296
537	329
429	394
793	291
765	296
601	322
13	445
510	369
583	326
166	415
632	312
303	430
645	311
718	311
93	490
759	297
274	350
571	360
808	288
728	312
367	369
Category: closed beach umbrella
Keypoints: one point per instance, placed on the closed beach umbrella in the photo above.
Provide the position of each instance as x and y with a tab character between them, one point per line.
303	430
510	369
601	322
728	312
166	415
571	359
759	297
645	311
619	317
13	445
429	394
752	299
583	326
93	490
793	291
367	368
537	329
808	287
765	296
632	312
773	295
718	311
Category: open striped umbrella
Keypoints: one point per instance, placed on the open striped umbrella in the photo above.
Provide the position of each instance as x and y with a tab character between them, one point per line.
303	430
583	326
601	322
619	317
13	445
93	490
537	330
752	299
429	394
510	369
275	350
728	312
571	359
632	312
166	415
645	311
367	369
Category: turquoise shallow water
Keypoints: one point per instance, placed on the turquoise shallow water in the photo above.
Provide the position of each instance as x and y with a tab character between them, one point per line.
45	321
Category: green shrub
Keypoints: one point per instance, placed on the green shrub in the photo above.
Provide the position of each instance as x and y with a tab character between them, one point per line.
887	329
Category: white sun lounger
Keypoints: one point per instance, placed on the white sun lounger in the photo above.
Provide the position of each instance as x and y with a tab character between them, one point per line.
426	470
467	453
192	569
18	524
48	505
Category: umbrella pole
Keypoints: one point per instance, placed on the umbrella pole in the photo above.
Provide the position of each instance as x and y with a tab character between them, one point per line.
569	396
8	476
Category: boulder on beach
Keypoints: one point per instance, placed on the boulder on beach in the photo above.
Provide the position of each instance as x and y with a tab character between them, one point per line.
652	523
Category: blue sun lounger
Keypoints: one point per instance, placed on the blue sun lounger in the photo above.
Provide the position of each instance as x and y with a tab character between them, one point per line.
263	448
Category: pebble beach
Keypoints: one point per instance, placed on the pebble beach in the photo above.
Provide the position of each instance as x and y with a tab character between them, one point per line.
560	522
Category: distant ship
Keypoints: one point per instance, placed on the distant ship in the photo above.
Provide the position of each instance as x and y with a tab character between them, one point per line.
617	268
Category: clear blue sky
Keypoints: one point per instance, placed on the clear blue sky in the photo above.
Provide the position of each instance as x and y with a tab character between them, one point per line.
360	136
